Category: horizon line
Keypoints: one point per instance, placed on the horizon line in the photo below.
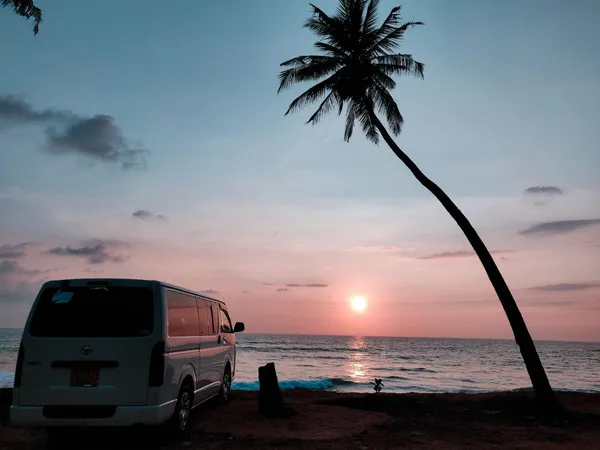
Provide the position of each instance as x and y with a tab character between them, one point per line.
393	337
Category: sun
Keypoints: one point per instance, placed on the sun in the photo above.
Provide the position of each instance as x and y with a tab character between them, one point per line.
358	303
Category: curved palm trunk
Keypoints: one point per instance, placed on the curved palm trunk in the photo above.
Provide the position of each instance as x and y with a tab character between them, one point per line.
539	380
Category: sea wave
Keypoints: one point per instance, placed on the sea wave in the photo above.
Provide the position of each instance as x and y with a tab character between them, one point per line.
6	379
290	348
321	384
333	384
416	369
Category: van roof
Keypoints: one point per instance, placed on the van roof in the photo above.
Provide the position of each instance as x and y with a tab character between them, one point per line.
125	281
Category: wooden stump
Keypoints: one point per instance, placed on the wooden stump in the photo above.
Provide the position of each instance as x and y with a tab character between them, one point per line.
270	398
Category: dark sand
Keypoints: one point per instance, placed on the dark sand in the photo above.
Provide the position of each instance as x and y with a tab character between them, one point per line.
327	420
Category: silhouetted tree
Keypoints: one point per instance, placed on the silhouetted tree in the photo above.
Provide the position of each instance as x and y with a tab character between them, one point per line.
27	9
353	69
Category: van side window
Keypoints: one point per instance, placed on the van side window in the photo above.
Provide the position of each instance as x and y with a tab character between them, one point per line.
210	322
205	318
182	314
215	318
225	322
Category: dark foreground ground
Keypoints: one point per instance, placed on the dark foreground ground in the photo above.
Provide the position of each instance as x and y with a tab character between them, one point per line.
327	420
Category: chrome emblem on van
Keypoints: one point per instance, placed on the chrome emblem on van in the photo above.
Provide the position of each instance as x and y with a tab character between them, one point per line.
86	350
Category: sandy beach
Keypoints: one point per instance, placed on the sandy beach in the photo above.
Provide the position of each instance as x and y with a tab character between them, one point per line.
329	420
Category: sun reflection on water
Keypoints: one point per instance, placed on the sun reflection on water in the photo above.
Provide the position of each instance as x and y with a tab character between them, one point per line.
357	366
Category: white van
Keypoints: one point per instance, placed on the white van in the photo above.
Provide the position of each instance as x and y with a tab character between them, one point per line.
116	352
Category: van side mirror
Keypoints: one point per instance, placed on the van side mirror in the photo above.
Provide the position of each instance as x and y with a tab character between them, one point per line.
239	327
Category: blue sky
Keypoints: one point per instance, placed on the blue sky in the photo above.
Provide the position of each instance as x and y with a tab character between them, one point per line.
510	100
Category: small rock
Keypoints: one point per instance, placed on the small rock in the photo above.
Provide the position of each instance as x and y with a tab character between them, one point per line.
415	434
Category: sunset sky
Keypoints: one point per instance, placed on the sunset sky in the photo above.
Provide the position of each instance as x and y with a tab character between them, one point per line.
156	147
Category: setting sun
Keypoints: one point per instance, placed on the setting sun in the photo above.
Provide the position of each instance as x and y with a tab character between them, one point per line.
358	303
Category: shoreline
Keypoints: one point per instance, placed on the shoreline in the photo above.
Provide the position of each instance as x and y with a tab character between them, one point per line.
341	386
333	420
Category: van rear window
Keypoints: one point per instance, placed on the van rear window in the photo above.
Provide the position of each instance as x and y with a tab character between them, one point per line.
112	311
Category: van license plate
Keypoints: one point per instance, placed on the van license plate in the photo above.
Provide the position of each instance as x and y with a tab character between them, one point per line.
85	375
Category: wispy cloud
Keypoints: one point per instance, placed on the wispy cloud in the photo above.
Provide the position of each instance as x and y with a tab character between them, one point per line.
559	226
99	138
144	214
544	190
15	110
14	268
17	292
96	137
282	290
550	304
459	254
17	283
567	287
106	242
388	249
309	285
8	251
95	251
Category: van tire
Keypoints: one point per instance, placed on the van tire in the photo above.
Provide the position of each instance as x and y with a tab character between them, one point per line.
180	421
225	391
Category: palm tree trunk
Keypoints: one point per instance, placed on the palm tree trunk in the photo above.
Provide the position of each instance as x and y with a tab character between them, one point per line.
536	371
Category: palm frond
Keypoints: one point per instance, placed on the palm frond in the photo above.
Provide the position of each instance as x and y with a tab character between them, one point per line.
309	60
370	21
363	114
356	10
331	50
384	79
389	24
358	13
307	72
26	9
392	39
312	94
350	119
322	25
344	10
399	64
385	103
326	105
359	110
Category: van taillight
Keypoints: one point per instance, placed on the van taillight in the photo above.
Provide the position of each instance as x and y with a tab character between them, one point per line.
19	368
157	365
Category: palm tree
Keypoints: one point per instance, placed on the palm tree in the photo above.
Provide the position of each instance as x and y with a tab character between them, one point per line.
354	69
27	9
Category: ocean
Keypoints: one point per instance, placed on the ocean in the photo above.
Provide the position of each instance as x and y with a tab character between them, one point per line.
349	364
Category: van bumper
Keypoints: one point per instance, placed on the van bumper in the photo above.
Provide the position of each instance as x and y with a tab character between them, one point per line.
33	416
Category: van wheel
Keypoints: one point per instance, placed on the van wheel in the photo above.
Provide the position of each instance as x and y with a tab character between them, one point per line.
225	386
180	421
